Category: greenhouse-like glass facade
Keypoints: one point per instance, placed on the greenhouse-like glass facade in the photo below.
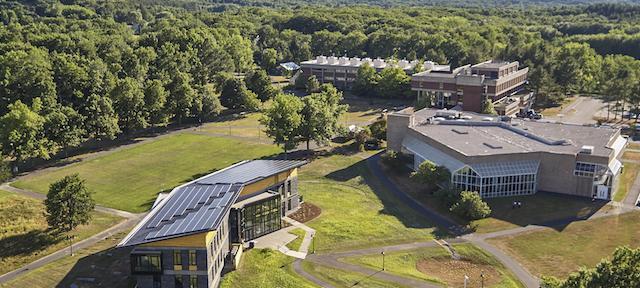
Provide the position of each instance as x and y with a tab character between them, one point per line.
497	179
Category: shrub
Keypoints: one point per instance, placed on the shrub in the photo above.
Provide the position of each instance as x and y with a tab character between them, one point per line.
448	196
5	170
431	174
393	160
470	206
379	129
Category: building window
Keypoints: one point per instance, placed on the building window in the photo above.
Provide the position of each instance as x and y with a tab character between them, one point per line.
288	188
289	204
192	260
584	169
261	218
146	263
178	281
177	260
193	281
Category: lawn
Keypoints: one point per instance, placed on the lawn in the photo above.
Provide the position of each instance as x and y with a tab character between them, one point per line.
23	234
584	243
265	268
629	174
356	210
630	155
295	244
129	179
434	264
97	266
340	278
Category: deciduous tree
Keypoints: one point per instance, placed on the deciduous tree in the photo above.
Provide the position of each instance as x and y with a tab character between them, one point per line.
282	121
69	204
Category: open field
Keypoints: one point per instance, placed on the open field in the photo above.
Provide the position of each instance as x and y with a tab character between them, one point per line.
634	145
295	244
435	264
539	208
265	268
129	179
629	174
97	266
23	234
340	278
584	243
630	155
356	210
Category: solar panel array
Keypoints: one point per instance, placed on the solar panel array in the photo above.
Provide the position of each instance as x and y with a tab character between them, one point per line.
252	170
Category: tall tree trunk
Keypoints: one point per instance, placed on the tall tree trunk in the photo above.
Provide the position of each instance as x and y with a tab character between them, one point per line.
308	144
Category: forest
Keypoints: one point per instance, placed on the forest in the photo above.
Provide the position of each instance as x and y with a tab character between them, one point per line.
73	71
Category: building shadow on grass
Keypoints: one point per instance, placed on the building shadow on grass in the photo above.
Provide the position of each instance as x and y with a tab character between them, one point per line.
392	206
106	268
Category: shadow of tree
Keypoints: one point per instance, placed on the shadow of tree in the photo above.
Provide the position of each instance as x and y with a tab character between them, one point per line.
28	243
105	268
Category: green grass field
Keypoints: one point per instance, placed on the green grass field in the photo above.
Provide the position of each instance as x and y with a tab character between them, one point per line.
435	265
356	210
108	267
265	268
296	243
584	243
343	279
629	174
129	179
23	235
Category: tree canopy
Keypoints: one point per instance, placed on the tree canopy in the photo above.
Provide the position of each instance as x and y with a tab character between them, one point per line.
68	204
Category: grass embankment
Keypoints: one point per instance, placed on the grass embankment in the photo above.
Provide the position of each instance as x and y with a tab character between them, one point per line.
23	234
340	278
265	268
356	210
629	174
584	243
296	243
129	179
434	264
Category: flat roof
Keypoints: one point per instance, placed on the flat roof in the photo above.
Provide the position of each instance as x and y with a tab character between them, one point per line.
486	135
492	64
200	205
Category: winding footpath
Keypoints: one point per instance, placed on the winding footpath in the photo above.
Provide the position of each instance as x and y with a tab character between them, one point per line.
128	223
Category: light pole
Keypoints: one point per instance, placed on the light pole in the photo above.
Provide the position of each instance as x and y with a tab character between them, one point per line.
482	280
382	260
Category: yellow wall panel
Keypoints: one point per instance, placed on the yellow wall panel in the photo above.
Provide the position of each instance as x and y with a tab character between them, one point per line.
196	240
268	182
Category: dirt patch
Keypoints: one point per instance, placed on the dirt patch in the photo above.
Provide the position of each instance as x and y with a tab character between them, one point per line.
452	272
306	212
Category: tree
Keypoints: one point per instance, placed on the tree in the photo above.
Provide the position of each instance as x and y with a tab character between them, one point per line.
312	85
22	132
181	96
379	128
470	206
487	107
282	121
623	270
320	114
366	81
361	137
268	59
129	104
101	119
301	82
576	68
394	83
64	126
68	204
210	103
258	81
431	174
235	95
155	99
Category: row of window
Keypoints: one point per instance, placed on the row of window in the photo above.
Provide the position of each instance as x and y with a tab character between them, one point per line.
146	263
584	169
192	282
261	218
177	259
512	185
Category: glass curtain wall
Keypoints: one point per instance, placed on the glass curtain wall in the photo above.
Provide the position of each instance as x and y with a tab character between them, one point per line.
261	218
497	180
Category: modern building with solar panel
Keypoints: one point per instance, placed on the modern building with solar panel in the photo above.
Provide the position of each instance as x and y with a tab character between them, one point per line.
192	232
501	156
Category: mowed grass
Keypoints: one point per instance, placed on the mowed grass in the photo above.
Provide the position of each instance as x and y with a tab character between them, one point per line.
434	264
296	243
584	243
23	231
265	268
356	210
101	262
130	179
343	279
629	174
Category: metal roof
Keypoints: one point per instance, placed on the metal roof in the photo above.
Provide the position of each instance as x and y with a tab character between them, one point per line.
427	152
290	66
497	169
200	205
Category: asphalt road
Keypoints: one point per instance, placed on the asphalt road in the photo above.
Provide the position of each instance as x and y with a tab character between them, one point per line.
581	111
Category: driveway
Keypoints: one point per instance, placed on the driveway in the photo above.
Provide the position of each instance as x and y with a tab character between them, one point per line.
581	111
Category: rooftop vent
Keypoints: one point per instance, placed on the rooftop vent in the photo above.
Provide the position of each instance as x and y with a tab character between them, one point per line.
491	145
586	149
460	131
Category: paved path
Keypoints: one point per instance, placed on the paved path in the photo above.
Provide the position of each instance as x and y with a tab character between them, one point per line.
588	107
633	193
130	221
297	266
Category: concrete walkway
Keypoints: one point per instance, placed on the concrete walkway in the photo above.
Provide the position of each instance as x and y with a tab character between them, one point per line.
278	240
634	193
130	221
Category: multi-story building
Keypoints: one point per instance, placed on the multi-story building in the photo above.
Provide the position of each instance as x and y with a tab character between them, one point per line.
499	158
467	87
342	71
189	234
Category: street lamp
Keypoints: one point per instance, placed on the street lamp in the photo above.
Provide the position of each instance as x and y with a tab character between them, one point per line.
482	280
382	260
